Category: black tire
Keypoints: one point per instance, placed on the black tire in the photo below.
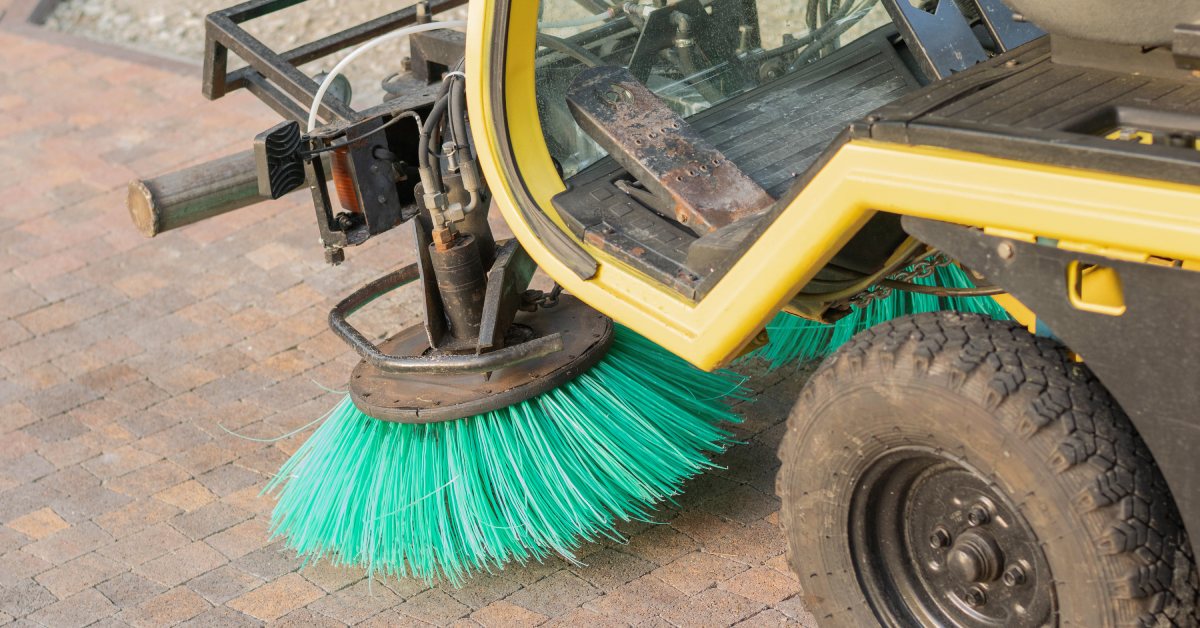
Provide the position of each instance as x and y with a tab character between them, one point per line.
1018	417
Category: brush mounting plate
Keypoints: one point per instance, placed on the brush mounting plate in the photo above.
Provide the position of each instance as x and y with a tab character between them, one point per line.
433	398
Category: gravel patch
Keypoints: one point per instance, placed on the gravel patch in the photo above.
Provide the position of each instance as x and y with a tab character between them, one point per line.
175	29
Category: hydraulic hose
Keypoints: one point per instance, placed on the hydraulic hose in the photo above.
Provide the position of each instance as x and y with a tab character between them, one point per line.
341	65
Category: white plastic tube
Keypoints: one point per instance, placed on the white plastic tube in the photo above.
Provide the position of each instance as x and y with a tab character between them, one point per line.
576	22
341	65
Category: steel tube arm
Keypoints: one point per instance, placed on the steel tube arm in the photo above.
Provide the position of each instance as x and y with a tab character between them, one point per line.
470	363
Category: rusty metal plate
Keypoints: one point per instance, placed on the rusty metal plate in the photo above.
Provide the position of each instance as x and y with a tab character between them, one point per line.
430	398
662	150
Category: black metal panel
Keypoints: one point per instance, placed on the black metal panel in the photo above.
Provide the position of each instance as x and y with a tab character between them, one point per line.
1149	357
942	41
1024	106
1004	28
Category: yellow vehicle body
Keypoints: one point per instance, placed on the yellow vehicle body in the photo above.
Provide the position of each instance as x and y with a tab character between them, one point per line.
1116	216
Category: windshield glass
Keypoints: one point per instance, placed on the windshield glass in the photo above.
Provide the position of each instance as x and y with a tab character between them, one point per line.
691	53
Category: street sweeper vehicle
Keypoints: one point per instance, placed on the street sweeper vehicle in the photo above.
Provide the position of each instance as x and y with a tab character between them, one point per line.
984	217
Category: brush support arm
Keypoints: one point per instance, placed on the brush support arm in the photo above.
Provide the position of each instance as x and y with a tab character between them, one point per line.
431	364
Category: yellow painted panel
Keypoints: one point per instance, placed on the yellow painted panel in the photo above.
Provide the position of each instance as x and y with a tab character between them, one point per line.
1085	207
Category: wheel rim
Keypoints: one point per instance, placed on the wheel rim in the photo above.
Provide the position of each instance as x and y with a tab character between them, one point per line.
936	543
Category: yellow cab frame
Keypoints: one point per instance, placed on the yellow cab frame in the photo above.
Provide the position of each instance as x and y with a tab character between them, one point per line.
1124	216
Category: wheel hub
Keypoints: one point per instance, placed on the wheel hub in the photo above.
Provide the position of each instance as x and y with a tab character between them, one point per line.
943	545
975	558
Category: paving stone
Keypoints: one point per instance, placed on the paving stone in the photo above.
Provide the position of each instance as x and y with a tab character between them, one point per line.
481	590
205	457
251	499
241	539
38	524
555	595
704	527
135	516
149	479
712	607
356	603
608	569
306	618
26	468
269	562
175	606
187	496
744	504
129	589
87	502
406	588
72	542
182	564
24	598
18	566
332	577
277	598
766	619
763	585
394	618
148	544
228	479
76	611
434	607
77	575
584	617
754	544
220	617
697	571
224	583
795	609
504	614
11	540
14	416
209	520
637	602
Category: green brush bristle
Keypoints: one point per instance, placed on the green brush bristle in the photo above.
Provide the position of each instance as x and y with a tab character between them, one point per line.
540	477
796	339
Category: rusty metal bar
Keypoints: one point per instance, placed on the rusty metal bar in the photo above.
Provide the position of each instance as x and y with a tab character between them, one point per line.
662	150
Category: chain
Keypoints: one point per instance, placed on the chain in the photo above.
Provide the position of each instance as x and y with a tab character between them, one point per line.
918	270
533	299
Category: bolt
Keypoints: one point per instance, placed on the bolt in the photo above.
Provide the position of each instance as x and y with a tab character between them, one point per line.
940	538
974	597
1006	250
1014	576
978	515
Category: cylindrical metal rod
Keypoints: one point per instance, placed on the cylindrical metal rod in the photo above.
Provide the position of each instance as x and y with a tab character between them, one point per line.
190	195
462	283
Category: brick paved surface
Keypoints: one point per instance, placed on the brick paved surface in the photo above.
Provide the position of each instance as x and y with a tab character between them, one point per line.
124	500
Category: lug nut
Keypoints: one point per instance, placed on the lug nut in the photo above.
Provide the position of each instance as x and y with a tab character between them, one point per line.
1014	576
974	597
978	515
939	538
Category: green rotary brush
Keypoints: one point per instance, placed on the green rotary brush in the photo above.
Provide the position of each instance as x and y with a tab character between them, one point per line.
442	473
793	339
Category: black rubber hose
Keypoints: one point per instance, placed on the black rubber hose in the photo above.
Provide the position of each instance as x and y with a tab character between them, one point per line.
458	113
429	137
434	119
